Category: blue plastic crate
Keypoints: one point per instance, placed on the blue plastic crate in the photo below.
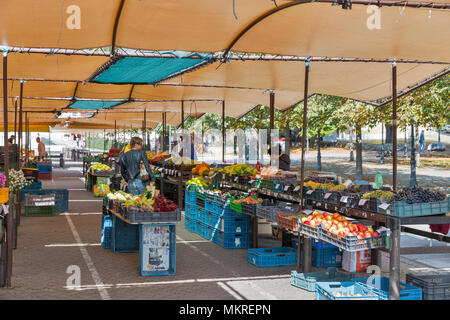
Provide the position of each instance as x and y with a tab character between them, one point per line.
201	214
157	249
106	234
201	229
321	244
407	291
125	237
240	224
307	281
326	257
61	200
44	168
209	205
228	240
35	185
346	290
272	257
190	225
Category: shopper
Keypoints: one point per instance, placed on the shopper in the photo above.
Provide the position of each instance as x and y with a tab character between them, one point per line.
41	148
11	140
284	162
421	142
131	165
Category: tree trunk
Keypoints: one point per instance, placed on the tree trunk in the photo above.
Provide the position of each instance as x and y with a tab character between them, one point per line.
287	141
439	135
358	154
319	162
388	138
412	179
351	147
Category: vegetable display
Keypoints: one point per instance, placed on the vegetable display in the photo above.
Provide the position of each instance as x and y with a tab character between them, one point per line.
378	194
100	167
248	200
239	169
201	169
162	204
327	186
199	182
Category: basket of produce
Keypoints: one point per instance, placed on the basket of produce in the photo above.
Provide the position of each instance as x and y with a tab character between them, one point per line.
371	200
266	184
245	205
416	201
289	221
100	169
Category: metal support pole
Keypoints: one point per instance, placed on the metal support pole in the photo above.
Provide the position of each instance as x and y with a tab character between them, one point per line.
412	179
26	138
306	262
115	133
271	121
144	129
223	131
382	144
20	140
182	114
15	120
394	260
394	126
9	218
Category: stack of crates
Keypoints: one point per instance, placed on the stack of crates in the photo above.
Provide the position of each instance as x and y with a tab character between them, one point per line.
213	219
106	234
62	197
39	205
45	171
35	185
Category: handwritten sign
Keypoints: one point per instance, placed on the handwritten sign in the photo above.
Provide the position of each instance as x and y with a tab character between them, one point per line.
327	195
297	188
309	191
362	202
344	199
384	205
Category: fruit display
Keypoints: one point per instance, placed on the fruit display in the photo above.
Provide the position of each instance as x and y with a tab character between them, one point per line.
248	200
317	179
201	169
417	195
159	156
239	169
269	172
100	167
199	182
101	190
120	196
326	186
387	195
339	225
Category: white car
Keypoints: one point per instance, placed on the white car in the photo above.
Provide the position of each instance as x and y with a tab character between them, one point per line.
446	128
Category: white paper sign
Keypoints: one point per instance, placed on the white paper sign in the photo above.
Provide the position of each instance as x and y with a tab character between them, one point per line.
309	191
327	195
384	205
277	186
236	179
347	183
286	188
258	176
155	248
307	211
297	188
362	202
344	199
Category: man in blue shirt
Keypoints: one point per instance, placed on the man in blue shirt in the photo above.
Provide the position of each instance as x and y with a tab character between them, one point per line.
421	142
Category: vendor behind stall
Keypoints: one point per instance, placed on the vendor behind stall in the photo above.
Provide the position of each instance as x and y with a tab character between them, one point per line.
284	162
132	165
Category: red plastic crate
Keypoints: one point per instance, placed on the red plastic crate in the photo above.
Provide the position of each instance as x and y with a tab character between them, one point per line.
44	176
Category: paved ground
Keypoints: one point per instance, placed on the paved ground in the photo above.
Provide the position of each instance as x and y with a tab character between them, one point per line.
47	246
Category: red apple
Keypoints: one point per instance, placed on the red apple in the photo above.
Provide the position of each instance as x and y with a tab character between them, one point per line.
375	234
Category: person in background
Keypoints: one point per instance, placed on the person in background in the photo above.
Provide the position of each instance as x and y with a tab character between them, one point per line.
421	142
41	148
130	166
11	140
284	162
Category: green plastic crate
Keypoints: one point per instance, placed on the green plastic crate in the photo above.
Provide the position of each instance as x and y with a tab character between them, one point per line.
403	209
235	206
40	211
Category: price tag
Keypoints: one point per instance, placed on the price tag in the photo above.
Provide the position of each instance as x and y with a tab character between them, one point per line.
347	183
286	188
384	206
319	204
307	211
327	195
362	202
309	191
258	176
236	179
344	199
277	186
326	205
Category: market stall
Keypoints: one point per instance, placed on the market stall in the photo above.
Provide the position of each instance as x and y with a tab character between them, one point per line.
145	224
